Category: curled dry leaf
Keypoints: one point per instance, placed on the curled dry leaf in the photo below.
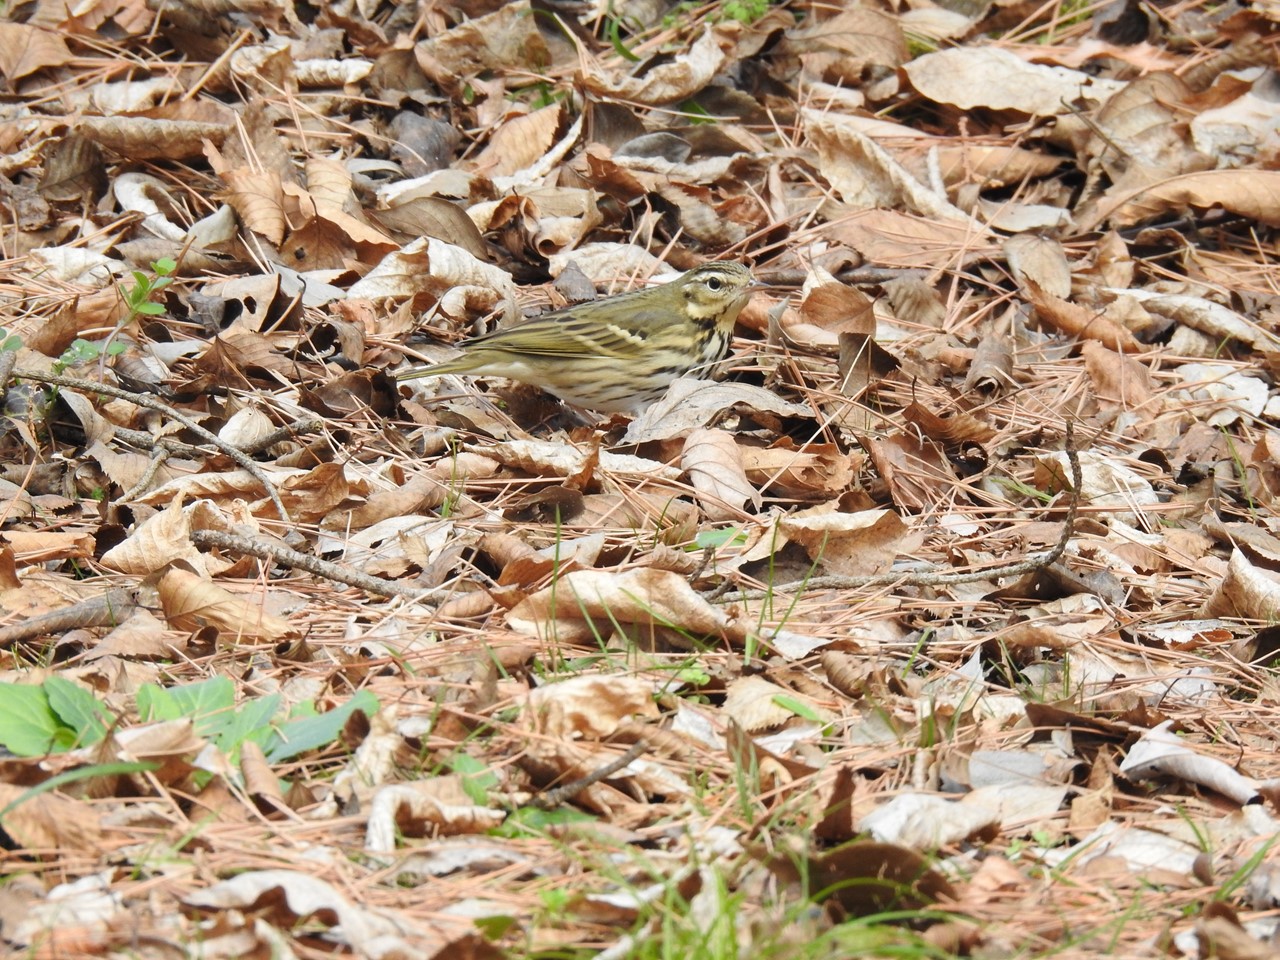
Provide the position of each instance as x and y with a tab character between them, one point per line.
714	465
319	72
327	198
285	897
519	142
49	822
992	367
556	459
827	310
258	197
864	877
866	177
586	604
426	216
1078	321
141	138
679	79
501	40
862	363
149	196
843	48
1246	591
438	806
1220	393
959	427
192	603
42	546
604	263
165	537
544	220
26	49
1117	379
675	519
909	241
1108	488
689	404
849	544
914	467
758	704
816	471
1161	753
997	79
430	266
590	707
1041	259
1252	193
1204	315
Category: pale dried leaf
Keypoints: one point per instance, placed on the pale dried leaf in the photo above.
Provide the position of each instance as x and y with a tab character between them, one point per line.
1246	591
141	138
866	177
754	703
997	79
583	603
591	707
689	404
714	466
192	603
166	536
25	49
1042	260
684	76
850	544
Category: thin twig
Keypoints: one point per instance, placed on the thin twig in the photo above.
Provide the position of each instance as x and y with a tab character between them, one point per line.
158	458
151	403
281	434
939	576
557	795
109	610
147	441
288	557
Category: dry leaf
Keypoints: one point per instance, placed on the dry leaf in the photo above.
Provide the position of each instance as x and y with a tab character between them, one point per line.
714	466
192	603
581	605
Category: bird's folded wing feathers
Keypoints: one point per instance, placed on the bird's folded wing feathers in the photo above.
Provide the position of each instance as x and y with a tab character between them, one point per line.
564	337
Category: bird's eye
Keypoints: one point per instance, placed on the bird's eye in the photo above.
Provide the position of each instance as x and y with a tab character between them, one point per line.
714	284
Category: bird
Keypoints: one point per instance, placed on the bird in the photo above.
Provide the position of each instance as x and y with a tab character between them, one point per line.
617	354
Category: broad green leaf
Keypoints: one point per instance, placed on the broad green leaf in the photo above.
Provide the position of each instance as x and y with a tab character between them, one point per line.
251	722
28	725
303	734
208	703
477	778
78	709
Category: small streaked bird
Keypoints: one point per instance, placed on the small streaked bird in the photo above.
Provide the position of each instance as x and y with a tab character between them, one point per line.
618	354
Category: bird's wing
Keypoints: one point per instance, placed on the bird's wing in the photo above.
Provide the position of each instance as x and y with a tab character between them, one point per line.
563	336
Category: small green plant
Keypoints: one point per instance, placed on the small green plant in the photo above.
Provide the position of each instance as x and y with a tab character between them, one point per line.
1017	486
613	27
84	351
211	706
9	342
53	717
695	113
138	300
745	11
139	297
679	12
